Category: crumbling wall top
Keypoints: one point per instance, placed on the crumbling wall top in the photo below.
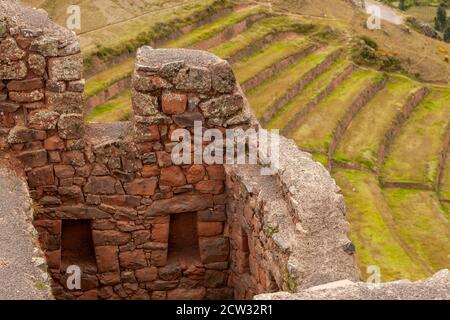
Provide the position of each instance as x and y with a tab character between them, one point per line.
32	22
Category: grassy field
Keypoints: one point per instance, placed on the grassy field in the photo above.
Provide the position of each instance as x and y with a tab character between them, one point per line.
264	95
445	180
215	27
359	145
296	105
423	225
117	108
316	131
373	228
414	154
252	65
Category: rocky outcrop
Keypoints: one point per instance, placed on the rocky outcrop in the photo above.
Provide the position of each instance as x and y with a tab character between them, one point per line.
434	288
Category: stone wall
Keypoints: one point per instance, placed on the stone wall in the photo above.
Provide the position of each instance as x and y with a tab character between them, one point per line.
109	199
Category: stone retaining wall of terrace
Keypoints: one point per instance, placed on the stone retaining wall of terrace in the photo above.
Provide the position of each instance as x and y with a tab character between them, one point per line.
109	199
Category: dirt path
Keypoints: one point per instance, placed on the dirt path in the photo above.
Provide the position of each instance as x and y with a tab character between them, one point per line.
21	276
386	12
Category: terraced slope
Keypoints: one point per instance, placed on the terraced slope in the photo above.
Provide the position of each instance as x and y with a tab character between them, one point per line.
361	146
291	46
270	95
317	128
414	156
373	227
299	105
422	225
445	180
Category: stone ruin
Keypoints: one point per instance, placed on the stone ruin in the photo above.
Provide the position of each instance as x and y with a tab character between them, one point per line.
108	198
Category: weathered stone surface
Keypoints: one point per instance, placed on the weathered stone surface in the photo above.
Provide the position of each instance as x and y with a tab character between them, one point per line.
81	212
10	50
180	203
110	237
37	64
107	261
187	119
66	102
109	278
146	274
35	158
222	107
160	232
67	68
42	176
193	79
172	176
100	185
20	134
195	173
173	102
29	96
76	86
132	259
75	158
223	79
144	104
214	249
143	187
9	107
215	279
71	126
149	83
54	143
208	229
170	272
122	200
13	70
211	216
45	45
210	186
216	172
43	120
146	132
25	85
434	288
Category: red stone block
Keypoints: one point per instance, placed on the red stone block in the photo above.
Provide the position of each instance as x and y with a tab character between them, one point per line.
216	172
64	171
110	237
150	171
214	249
143	187
146	274
159	258
210	186
109	278
25	85
174	102
172	176
54	143
42	176
195	173
208	229
132	259
100	185
107	258
36	158
160	232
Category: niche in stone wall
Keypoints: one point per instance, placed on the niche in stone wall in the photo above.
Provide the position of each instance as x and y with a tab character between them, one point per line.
77	247
183	238
245	251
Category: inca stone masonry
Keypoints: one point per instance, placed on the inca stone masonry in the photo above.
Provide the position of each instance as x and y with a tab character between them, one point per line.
109	199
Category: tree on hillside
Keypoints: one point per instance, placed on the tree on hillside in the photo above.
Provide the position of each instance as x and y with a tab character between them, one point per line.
402	5
447	34
440	22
